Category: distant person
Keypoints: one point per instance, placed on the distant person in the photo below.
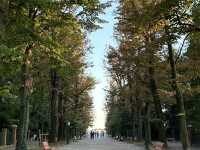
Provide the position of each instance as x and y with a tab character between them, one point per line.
102	133
95	134
92	135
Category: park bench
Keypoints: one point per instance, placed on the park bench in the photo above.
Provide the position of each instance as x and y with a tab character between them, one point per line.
46	146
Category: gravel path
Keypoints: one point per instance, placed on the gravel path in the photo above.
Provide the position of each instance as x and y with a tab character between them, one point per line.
100	144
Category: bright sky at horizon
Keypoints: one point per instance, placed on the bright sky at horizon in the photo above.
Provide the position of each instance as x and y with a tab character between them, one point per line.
100	41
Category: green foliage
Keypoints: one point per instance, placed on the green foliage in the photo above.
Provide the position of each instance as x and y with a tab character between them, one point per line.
54	34
145	30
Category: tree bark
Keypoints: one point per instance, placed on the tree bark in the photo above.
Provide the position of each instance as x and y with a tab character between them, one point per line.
22	131
24	104
134	116
139	108
140	125
133	110
60	118
156	97
179	99
158	107
147	125
3	13
54	106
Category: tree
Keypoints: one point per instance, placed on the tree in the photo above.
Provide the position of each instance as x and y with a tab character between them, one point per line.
28	31
147	32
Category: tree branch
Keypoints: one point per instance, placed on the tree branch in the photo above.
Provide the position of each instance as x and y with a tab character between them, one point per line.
181	48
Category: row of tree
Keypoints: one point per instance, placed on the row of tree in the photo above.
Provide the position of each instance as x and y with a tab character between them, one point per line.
43	44
154	71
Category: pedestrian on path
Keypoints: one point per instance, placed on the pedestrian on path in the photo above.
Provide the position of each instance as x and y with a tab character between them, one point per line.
91	135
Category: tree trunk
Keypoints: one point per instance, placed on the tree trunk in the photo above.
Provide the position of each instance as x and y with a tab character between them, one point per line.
134	131
133	109
179	99
139	107
24	104
3	13
147	125
54	107
155	95
140	125
158	107
61	118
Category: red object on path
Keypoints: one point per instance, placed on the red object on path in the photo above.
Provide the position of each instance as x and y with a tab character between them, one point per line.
46	146
158	146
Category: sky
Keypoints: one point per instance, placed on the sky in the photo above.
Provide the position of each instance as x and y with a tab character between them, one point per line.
100	40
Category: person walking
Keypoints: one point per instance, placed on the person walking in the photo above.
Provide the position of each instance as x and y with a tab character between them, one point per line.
91	135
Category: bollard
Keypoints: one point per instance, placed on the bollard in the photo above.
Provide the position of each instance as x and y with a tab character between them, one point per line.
4	136
14	134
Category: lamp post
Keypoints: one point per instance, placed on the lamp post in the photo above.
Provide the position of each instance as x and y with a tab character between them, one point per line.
68	131
190	132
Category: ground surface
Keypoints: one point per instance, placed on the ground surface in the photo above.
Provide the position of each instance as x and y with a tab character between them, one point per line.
105	143
110	144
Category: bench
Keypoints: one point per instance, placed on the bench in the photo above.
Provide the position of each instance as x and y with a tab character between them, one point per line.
46	146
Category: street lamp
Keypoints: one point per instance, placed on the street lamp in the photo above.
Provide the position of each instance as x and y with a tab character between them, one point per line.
67	131
190	132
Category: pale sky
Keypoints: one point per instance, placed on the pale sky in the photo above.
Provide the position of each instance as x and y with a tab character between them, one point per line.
100	41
